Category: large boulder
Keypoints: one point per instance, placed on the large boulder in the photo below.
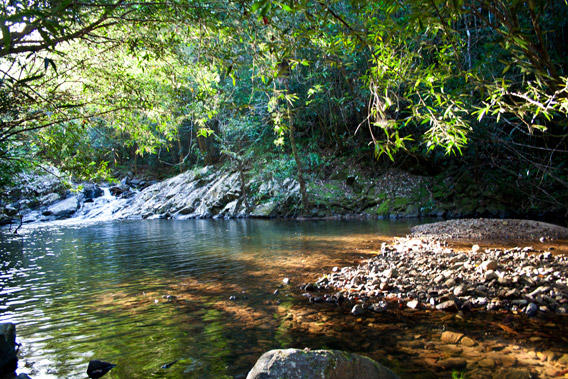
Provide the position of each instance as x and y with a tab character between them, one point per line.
8	353
317	364
63	209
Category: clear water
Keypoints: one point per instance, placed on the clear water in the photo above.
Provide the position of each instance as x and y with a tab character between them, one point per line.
100	291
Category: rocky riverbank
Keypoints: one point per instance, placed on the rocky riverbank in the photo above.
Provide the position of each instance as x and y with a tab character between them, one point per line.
217	192
422	273
501	311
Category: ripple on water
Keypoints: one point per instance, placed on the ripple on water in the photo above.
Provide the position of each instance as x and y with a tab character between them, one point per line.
97	290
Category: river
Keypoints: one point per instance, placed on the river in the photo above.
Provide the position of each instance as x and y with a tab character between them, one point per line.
205	294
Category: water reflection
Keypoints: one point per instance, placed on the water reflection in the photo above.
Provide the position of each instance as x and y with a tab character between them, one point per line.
144	293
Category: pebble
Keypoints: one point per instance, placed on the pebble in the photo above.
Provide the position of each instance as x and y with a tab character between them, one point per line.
357	310
451	337
413	304
425	272
286	281
466	341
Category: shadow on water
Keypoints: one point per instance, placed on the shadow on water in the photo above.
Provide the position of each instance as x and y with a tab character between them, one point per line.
197	299
145	293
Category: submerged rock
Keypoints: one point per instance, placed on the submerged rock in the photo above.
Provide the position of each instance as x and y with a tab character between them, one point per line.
317	364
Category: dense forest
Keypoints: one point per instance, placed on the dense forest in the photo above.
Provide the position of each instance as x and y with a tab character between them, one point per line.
452	89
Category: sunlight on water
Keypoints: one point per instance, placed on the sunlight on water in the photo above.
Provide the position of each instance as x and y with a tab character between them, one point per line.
144	293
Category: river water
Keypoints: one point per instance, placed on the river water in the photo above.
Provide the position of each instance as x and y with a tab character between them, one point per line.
201	293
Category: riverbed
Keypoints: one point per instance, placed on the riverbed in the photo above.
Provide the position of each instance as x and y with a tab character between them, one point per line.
205	294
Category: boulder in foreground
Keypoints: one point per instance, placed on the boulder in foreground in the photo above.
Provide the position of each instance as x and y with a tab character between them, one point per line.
317	364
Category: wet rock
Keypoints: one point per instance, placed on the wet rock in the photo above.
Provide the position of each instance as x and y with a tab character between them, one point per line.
357	310
532	310
448	306
466	341
63	209
487	363
317	364
512	374
452	364
451	337
8	355
98	369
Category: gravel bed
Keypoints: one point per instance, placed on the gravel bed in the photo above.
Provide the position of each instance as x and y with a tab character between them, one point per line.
492	229
425	273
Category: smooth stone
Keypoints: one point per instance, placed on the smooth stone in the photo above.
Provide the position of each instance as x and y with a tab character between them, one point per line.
466	341
489	265
532	310
460	290
451	337
490	275
357	310
413	304
448	306
317	364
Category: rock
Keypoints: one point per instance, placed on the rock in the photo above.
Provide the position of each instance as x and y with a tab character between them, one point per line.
490	275
460	290
286	281
8	354
451	337
390	273
475	249
489	265
487	363
264	210
98	368
357	310
50	198
10	210
466	341
317	364
413	304
512	374
452	364
63	209
448	306
532	310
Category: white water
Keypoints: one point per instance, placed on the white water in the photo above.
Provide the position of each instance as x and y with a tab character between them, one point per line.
101	208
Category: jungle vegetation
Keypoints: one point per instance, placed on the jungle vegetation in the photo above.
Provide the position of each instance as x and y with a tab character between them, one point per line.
93	86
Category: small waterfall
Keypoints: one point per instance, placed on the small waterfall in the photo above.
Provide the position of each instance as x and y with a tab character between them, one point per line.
101	208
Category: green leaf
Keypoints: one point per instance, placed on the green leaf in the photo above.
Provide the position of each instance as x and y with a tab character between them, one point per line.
6	36
256	6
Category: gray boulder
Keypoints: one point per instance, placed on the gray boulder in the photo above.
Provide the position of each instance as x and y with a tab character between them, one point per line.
63	208
8	354
317	364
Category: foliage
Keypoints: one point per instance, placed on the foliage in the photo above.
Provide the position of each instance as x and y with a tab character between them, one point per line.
99	84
